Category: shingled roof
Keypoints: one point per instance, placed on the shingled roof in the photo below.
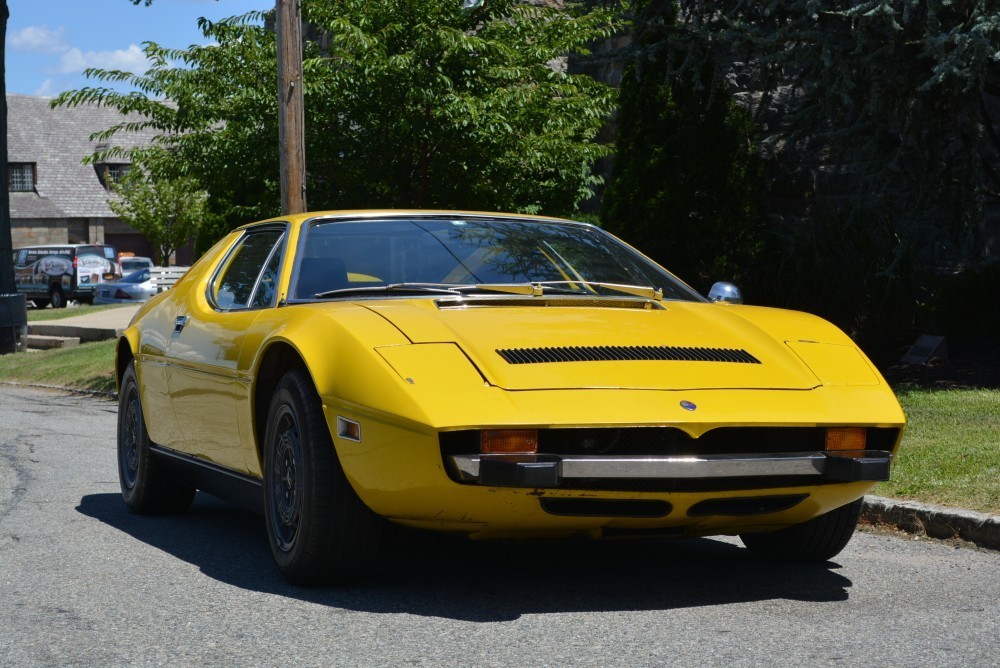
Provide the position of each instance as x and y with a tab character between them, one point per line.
57	140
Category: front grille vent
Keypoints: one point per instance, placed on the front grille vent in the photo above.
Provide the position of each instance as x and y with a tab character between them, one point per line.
625	353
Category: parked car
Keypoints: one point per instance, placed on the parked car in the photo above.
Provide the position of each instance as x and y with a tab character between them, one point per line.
132	263
492	375
136	287
58	273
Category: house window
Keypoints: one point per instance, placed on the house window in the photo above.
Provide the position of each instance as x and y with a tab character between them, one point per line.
111	174
21	177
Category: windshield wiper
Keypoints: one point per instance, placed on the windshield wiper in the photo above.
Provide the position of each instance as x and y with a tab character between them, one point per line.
411	288
540	288
534	289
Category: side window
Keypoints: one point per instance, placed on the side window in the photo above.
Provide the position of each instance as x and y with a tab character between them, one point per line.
254	261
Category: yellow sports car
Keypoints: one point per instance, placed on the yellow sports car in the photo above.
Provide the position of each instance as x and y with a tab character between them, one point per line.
492	375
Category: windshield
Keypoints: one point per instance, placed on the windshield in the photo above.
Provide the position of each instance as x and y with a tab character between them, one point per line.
463	252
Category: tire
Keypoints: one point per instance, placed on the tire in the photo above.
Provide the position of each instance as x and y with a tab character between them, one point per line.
818	540
57	298
319	530
146	488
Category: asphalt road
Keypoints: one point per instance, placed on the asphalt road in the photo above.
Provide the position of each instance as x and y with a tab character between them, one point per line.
83	582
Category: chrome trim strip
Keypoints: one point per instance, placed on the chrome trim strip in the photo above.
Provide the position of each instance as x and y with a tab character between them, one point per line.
671	467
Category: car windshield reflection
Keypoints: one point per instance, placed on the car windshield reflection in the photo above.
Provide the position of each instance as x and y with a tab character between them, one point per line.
343	258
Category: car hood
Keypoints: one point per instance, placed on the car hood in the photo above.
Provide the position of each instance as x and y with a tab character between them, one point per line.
518	345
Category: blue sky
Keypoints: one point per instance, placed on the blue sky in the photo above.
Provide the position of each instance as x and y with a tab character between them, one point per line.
51	42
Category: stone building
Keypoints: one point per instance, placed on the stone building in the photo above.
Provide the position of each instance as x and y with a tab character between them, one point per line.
54	197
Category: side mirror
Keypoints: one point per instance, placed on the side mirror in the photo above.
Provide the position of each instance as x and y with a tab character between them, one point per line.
725	292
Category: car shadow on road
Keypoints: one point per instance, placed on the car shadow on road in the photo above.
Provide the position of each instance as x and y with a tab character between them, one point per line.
435	576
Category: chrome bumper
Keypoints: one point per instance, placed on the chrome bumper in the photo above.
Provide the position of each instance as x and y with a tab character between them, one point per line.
555	470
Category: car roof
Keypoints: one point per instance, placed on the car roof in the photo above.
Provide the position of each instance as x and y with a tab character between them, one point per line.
361	214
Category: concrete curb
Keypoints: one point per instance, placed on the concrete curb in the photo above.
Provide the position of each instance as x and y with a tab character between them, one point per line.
935	521
100	394
85	334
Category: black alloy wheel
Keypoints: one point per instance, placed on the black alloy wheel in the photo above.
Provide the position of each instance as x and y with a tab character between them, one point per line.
145	486
319	530
286	486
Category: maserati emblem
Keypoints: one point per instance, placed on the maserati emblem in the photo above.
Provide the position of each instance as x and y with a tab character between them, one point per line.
688	406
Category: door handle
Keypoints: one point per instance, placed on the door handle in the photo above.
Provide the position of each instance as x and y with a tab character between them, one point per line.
179	323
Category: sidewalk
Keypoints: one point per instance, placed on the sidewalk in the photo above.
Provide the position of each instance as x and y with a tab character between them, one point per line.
93	326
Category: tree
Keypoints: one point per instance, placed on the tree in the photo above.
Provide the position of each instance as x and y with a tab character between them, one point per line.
892	96
688	182
167	211
410	103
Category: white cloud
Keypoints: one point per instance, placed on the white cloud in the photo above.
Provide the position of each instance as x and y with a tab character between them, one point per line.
38	39
131	59
47	89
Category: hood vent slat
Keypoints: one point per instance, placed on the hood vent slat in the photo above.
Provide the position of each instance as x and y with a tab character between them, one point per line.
625	353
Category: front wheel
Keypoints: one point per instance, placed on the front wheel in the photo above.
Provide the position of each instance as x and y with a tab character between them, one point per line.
319	530
817	540
146	488
57	298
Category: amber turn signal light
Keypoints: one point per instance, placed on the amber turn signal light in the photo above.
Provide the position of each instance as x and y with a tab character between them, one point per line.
846	438
507	441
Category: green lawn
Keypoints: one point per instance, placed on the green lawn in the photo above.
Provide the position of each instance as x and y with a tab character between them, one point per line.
89	366
950	453
951	449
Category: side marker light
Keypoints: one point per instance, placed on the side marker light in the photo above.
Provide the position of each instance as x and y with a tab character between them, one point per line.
348	429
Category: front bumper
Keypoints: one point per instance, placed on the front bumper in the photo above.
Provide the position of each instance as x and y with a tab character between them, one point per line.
544	471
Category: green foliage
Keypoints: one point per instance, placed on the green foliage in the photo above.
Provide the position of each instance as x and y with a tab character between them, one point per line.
687	185
410	103
168	211
897	91
846	270
430	106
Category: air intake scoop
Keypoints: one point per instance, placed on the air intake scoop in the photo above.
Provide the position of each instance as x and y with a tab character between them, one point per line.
625	354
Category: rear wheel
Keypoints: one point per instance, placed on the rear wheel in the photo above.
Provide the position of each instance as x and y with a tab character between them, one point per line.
817	540
145	486
319	530
57	298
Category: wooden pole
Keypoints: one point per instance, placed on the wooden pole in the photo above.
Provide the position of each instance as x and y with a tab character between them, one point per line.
291	114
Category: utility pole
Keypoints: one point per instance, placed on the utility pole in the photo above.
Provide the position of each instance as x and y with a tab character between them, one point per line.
13	307
291	112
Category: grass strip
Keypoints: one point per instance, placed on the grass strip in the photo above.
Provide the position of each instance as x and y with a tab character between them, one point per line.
89	366
45	314
951	449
